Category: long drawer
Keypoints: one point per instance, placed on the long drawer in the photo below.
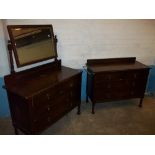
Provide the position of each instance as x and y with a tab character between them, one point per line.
119	76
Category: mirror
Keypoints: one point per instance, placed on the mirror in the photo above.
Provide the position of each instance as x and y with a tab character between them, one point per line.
32	43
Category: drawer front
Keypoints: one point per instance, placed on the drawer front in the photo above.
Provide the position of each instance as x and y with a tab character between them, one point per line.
120	76
52	114
98	97
113	85
113	76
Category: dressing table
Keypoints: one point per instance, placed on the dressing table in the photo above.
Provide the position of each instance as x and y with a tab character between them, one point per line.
115	79
39	96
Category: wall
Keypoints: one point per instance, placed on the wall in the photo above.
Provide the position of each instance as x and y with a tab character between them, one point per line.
79	40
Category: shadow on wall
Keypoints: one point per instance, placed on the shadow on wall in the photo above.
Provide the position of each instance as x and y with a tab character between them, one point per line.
4	106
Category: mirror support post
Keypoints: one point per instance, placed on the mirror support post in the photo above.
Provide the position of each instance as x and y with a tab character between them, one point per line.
11	57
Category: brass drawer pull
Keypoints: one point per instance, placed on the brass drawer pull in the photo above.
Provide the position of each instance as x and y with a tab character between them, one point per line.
48	96
48	108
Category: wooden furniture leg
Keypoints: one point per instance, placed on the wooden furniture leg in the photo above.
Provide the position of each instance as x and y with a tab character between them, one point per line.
86	98
79	109
93	106
140	103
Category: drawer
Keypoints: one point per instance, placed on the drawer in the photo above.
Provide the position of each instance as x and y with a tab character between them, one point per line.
120	76
112	95
113	85
53	113
112	76
61	106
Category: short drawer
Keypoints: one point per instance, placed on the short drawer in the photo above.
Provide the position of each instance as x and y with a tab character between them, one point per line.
43	98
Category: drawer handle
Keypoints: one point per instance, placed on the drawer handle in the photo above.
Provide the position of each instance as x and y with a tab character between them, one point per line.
71	85
48	96
135	75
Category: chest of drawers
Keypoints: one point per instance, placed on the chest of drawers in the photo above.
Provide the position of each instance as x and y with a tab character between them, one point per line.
115	79
39	99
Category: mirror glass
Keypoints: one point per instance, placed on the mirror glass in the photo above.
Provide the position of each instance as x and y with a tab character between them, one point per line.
32	44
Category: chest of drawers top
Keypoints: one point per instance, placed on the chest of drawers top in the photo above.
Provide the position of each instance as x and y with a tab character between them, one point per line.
31	82
114	65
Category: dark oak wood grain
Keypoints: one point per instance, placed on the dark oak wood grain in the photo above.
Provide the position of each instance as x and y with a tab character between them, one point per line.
115	79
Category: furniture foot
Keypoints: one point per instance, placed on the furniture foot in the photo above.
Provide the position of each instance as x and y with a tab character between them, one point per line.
16	131
79	109
87	99
140	103
93	106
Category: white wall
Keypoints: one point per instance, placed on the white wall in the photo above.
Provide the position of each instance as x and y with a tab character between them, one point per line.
82	39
